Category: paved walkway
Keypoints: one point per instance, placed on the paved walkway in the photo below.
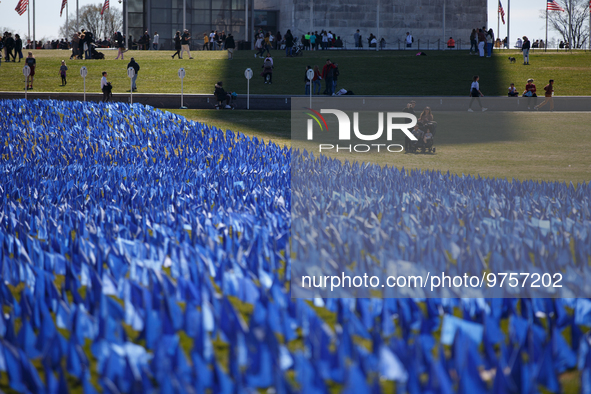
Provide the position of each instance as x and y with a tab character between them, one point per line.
283	102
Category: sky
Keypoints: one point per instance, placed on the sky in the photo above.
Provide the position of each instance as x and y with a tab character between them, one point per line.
524	17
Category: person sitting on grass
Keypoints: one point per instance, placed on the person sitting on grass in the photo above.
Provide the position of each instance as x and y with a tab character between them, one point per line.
513	91
451	43
222	95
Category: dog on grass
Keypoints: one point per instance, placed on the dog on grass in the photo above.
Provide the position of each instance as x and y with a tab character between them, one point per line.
511	59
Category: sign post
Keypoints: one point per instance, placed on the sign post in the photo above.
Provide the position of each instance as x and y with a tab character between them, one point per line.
83	74
131	74
310	76
182	76
26	73
248	75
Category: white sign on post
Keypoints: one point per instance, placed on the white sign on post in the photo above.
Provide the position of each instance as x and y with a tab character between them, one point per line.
131	74
248	76
182	77
310	76
26	73
83	74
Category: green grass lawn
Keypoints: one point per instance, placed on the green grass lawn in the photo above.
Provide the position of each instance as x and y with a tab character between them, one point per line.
367	73
532	149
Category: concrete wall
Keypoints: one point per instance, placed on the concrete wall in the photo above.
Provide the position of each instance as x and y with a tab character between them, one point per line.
423	18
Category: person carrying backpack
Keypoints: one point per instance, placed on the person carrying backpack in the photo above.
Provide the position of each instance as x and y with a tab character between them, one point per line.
268	69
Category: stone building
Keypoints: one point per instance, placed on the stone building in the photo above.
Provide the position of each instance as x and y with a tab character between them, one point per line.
390	19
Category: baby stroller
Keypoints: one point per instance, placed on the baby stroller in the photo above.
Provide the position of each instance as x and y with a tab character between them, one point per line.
298	48
96	54
421	145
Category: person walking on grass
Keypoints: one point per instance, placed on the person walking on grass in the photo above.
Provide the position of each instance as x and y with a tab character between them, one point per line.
230	45
475	94
177	45
32	63
548	93
63	69
120	43
105	87
185	40
132	63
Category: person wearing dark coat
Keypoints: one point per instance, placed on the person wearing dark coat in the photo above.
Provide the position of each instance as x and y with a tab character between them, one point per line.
18	47
177	45
288	43
230	45
132	63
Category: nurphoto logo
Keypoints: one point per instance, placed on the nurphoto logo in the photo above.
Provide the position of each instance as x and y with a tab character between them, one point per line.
402	121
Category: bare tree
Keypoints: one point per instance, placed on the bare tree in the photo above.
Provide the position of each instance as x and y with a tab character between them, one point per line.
90	19
558	21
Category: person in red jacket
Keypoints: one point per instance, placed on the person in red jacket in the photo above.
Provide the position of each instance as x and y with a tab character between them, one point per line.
451	43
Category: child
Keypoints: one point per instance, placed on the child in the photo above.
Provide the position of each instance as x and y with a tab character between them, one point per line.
32	63
427	137
513	91
548	92
418	133
63	70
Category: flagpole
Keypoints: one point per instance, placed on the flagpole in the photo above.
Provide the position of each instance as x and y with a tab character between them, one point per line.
29	22
34	23
498	23
77	25
546	42
570	26
508	23
67	24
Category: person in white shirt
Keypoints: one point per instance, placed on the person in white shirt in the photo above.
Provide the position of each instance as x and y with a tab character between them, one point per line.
212	41
155	41
408	40
475	93
105	87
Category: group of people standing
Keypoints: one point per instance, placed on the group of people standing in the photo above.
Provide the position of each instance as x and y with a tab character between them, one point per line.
330	74
11	46
214	40
482	41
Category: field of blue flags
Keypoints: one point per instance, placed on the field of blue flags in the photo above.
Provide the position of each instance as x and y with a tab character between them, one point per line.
141	252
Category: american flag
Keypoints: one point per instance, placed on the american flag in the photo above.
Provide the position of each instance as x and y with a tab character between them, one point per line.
502	12
553	6
21	7
105	6
63	6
